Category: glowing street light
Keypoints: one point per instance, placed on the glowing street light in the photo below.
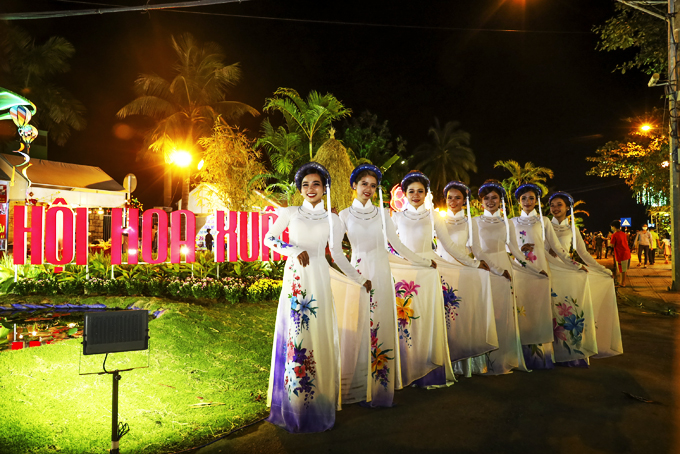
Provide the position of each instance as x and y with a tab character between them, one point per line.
180	158
646	127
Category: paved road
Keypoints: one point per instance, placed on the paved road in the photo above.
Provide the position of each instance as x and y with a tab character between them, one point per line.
560	411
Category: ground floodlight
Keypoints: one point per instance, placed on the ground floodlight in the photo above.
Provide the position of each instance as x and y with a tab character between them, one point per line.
119	331
115	332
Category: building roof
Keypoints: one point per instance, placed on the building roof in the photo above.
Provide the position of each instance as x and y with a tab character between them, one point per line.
65	175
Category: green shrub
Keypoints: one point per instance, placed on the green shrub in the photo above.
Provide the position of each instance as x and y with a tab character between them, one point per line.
234	289
134	287
156	287
207	288
114	287
71	287
95	286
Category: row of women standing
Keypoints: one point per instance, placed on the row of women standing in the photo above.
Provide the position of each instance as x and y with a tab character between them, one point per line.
498	294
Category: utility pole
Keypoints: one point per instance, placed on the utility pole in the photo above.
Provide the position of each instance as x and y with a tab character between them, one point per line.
673	21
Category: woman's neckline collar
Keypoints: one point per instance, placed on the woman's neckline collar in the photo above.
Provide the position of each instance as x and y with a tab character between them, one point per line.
319	208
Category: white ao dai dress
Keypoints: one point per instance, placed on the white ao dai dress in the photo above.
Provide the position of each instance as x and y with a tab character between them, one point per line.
304	379
602	295
488	244
380	350
466	289
534	299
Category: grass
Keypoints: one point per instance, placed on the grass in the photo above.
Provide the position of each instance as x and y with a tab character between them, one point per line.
216	354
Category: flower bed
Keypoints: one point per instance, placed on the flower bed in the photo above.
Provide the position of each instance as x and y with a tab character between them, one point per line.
231	289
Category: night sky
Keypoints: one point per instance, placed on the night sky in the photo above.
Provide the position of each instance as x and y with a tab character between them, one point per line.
545	96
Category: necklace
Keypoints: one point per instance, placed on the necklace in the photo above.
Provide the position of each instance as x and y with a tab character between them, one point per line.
415	216
369	215
312	216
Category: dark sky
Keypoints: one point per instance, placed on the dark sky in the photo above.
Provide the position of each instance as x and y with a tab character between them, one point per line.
546	96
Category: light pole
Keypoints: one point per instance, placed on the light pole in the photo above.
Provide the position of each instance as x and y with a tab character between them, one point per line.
672	93
182	159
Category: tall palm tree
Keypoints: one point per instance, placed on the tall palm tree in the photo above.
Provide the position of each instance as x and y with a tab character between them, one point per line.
185	108
309	118
27	68
446	157
520	175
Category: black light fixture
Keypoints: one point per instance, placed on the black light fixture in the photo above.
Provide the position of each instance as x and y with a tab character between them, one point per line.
115	332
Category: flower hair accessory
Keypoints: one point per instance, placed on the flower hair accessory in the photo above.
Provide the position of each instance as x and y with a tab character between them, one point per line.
361	168
496	186
311	165
533	187
415	173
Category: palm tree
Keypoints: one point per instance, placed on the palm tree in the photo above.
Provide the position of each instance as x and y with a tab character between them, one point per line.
185	108
27	69
520	175
311	119
447	157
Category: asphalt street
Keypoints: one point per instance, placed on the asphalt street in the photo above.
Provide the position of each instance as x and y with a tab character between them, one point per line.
558	411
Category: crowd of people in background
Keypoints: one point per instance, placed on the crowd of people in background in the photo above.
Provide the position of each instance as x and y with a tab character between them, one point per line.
646	243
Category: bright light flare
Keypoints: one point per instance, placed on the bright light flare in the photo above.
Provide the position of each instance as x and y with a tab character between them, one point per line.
183	250
132	251
200	164
442	213
180	158
646	127
665	164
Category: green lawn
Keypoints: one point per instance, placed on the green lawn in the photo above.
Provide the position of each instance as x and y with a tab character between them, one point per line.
198	354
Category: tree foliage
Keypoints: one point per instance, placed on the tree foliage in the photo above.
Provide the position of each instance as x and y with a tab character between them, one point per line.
185	108
306	120
519	175
370	141
446	157
230	164
641	160
29	69
630	28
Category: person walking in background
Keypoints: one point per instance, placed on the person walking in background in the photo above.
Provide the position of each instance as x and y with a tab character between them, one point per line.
643	241
619	242
666	243
599	242
609	249
654	246
209	241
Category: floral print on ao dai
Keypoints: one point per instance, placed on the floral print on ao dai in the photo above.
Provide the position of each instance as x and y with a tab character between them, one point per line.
602	295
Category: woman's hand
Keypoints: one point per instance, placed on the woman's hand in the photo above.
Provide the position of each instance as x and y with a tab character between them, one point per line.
368	286
506	274
334	211
433	264
543	273
553	253
529	247
303	258
483	265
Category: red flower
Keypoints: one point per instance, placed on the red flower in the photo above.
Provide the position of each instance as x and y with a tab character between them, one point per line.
299	371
